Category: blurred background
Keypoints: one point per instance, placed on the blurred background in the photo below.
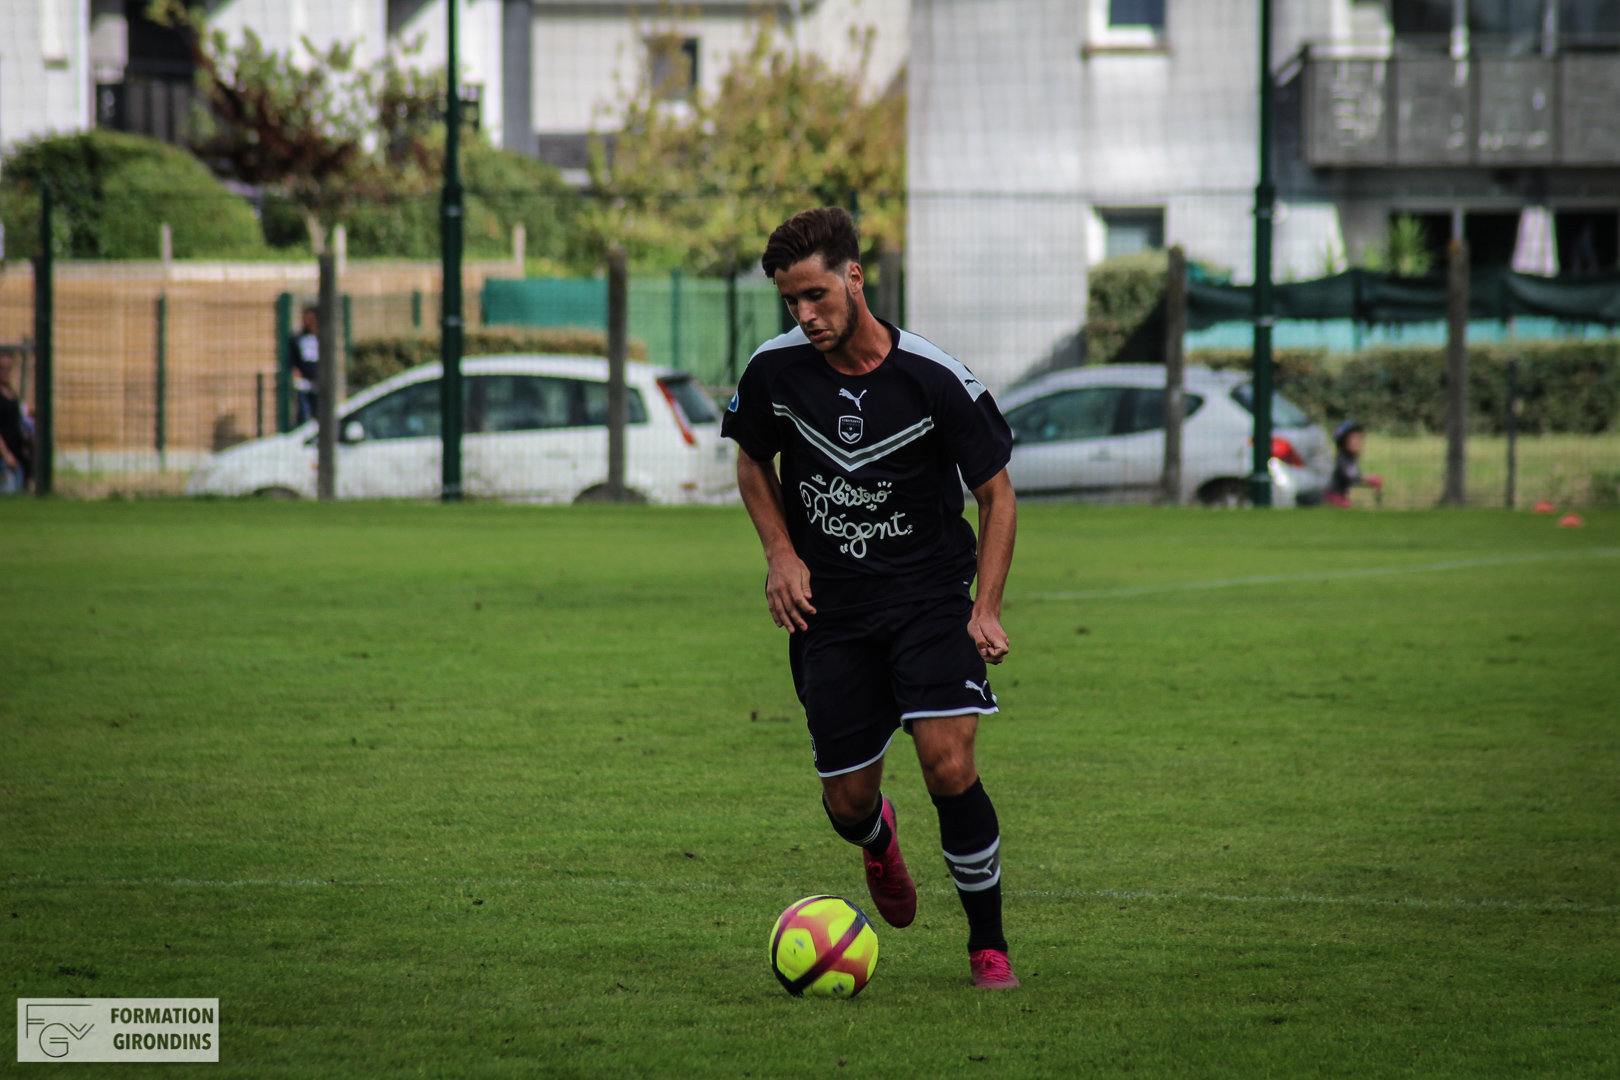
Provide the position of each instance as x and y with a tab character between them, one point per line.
1021	170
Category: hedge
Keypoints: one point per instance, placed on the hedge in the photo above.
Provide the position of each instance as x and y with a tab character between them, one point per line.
378	358
501	189
112	191
1125	309
1563	386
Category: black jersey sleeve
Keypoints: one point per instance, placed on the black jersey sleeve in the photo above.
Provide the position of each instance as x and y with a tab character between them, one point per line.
749	419
974	429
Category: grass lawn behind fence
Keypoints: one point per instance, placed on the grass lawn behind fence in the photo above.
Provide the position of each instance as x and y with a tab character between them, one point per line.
491	791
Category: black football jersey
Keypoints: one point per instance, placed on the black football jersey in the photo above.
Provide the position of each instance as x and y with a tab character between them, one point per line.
872	465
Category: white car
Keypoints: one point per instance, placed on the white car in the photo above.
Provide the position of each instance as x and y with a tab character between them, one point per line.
535	429
1097	433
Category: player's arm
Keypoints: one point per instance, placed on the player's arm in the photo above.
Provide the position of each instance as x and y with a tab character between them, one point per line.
787	579
998	526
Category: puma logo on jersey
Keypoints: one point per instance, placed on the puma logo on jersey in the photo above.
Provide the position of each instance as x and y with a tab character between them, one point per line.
856	398
971	685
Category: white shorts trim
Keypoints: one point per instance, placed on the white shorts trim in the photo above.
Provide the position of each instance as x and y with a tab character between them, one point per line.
869	761
925	715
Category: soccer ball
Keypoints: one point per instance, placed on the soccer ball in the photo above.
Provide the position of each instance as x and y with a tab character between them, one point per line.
823	946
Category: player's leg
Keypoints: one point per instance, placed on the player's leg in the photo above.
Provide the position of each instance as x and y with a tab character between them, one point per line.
943	689
844	685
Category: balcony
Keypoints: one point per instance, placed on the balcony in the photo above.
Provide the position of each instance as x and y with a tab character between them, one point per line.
1490	111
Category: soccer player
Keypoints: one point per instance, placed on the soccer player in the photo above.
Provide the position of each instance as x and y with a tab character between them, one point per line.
870	562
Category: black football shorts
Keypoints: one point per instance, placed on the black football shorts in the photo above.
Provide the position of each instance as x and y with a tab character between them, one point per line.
863	676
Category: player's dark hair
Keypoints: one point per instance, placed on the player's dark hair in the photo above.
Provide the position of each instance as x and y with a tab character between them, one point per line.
827	231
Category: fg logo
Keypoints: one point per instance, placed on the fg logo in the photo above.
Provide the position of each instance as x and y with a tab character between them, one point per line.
57	1027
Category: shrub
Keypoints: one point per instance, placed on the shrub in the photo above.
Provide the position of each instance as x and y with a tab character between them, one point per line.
501	190
520	190
375	359
112	192
1563	386
1125	310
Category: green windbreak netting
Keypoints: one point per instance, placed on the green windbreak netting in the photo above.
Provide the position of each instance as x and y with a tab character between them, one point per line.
1371	297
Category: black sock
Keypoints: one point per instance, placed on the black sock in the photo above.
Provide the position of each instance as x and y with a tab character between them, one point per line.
971	837
871	832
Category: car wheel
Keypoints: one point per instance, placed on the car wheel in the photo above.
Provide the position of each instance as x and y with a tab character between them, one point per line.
279	493
1226	494
598	493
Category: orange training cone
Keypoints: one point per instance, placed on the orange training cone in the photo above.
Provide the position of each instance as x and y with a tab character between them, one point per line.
1570	521
1545	507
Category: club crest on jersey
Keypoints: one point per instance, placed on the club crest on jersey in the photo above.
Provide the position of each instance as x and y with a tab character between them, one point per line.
850	428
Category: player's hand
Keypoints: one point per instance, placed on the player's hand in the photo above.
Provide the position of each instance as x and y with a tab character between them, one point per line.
1375	481
787	591
989	637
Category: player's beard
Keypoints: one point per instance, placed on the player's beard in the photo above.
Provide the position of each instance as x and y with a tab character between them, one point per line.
841	337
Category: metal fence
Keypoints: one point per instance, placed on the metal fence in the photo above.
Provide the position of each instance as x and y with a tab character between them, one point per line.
162	365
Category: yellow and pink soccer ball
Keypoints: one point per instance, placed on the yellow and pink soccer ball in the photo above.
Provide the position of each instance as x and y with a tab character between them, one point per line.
823	946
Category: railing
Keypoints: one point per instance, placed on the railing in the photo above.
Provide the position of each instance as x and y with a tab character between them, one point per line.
1488	109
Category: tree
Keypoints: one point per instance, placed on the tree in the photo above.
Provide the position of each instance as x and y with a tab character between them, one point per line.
298	129
340	142
699	185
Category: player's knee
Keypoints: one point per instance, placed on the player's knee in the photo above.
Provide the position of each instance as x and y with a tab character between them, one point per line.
950	772
848	804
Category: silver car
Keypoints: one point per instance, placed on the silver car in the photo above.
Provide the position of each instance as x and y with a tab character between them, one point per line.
1097	434
536	429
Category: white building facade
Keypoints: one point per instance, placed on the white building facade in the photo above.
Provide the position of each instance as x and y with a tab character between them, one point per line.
1047	135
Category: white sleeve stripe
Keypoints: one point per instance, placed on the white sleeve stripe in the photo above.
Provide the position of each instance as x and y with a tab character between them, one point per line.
929	351
794	336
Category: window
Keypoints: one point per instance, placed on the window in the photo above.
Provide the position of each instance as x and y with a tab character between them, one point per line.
1284	413
697	408
1149	13
1144	409
1129	231
1087	413
1588	241
411	412
1578	19
1124	26
498	403
672	67
593	404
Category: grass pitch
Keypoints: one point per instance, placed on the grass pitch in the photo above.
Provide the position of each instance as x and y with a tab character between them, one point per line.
490	791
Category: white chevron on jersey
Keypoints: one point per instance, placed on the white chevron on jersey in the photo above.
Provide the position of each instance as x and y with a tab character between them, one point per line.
848	460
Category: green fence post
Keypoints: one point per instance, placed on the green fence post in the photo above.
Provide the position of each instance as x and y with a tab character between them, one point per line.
450	304
284	409
258	404
45	350
348	341
1265	201
161	389
675	318
731	325
416	309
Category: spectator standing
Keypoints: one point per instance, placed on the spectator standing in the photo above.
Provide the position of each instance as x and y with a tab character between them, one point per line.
16	433
306	358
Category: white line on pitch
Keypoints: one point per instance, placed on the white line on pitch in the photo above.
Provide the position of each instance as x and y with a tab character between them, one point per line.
551	883
1325	575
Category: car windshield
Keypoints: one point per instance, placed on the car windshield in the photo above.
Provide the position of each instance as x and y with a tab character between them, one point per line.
1284	413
